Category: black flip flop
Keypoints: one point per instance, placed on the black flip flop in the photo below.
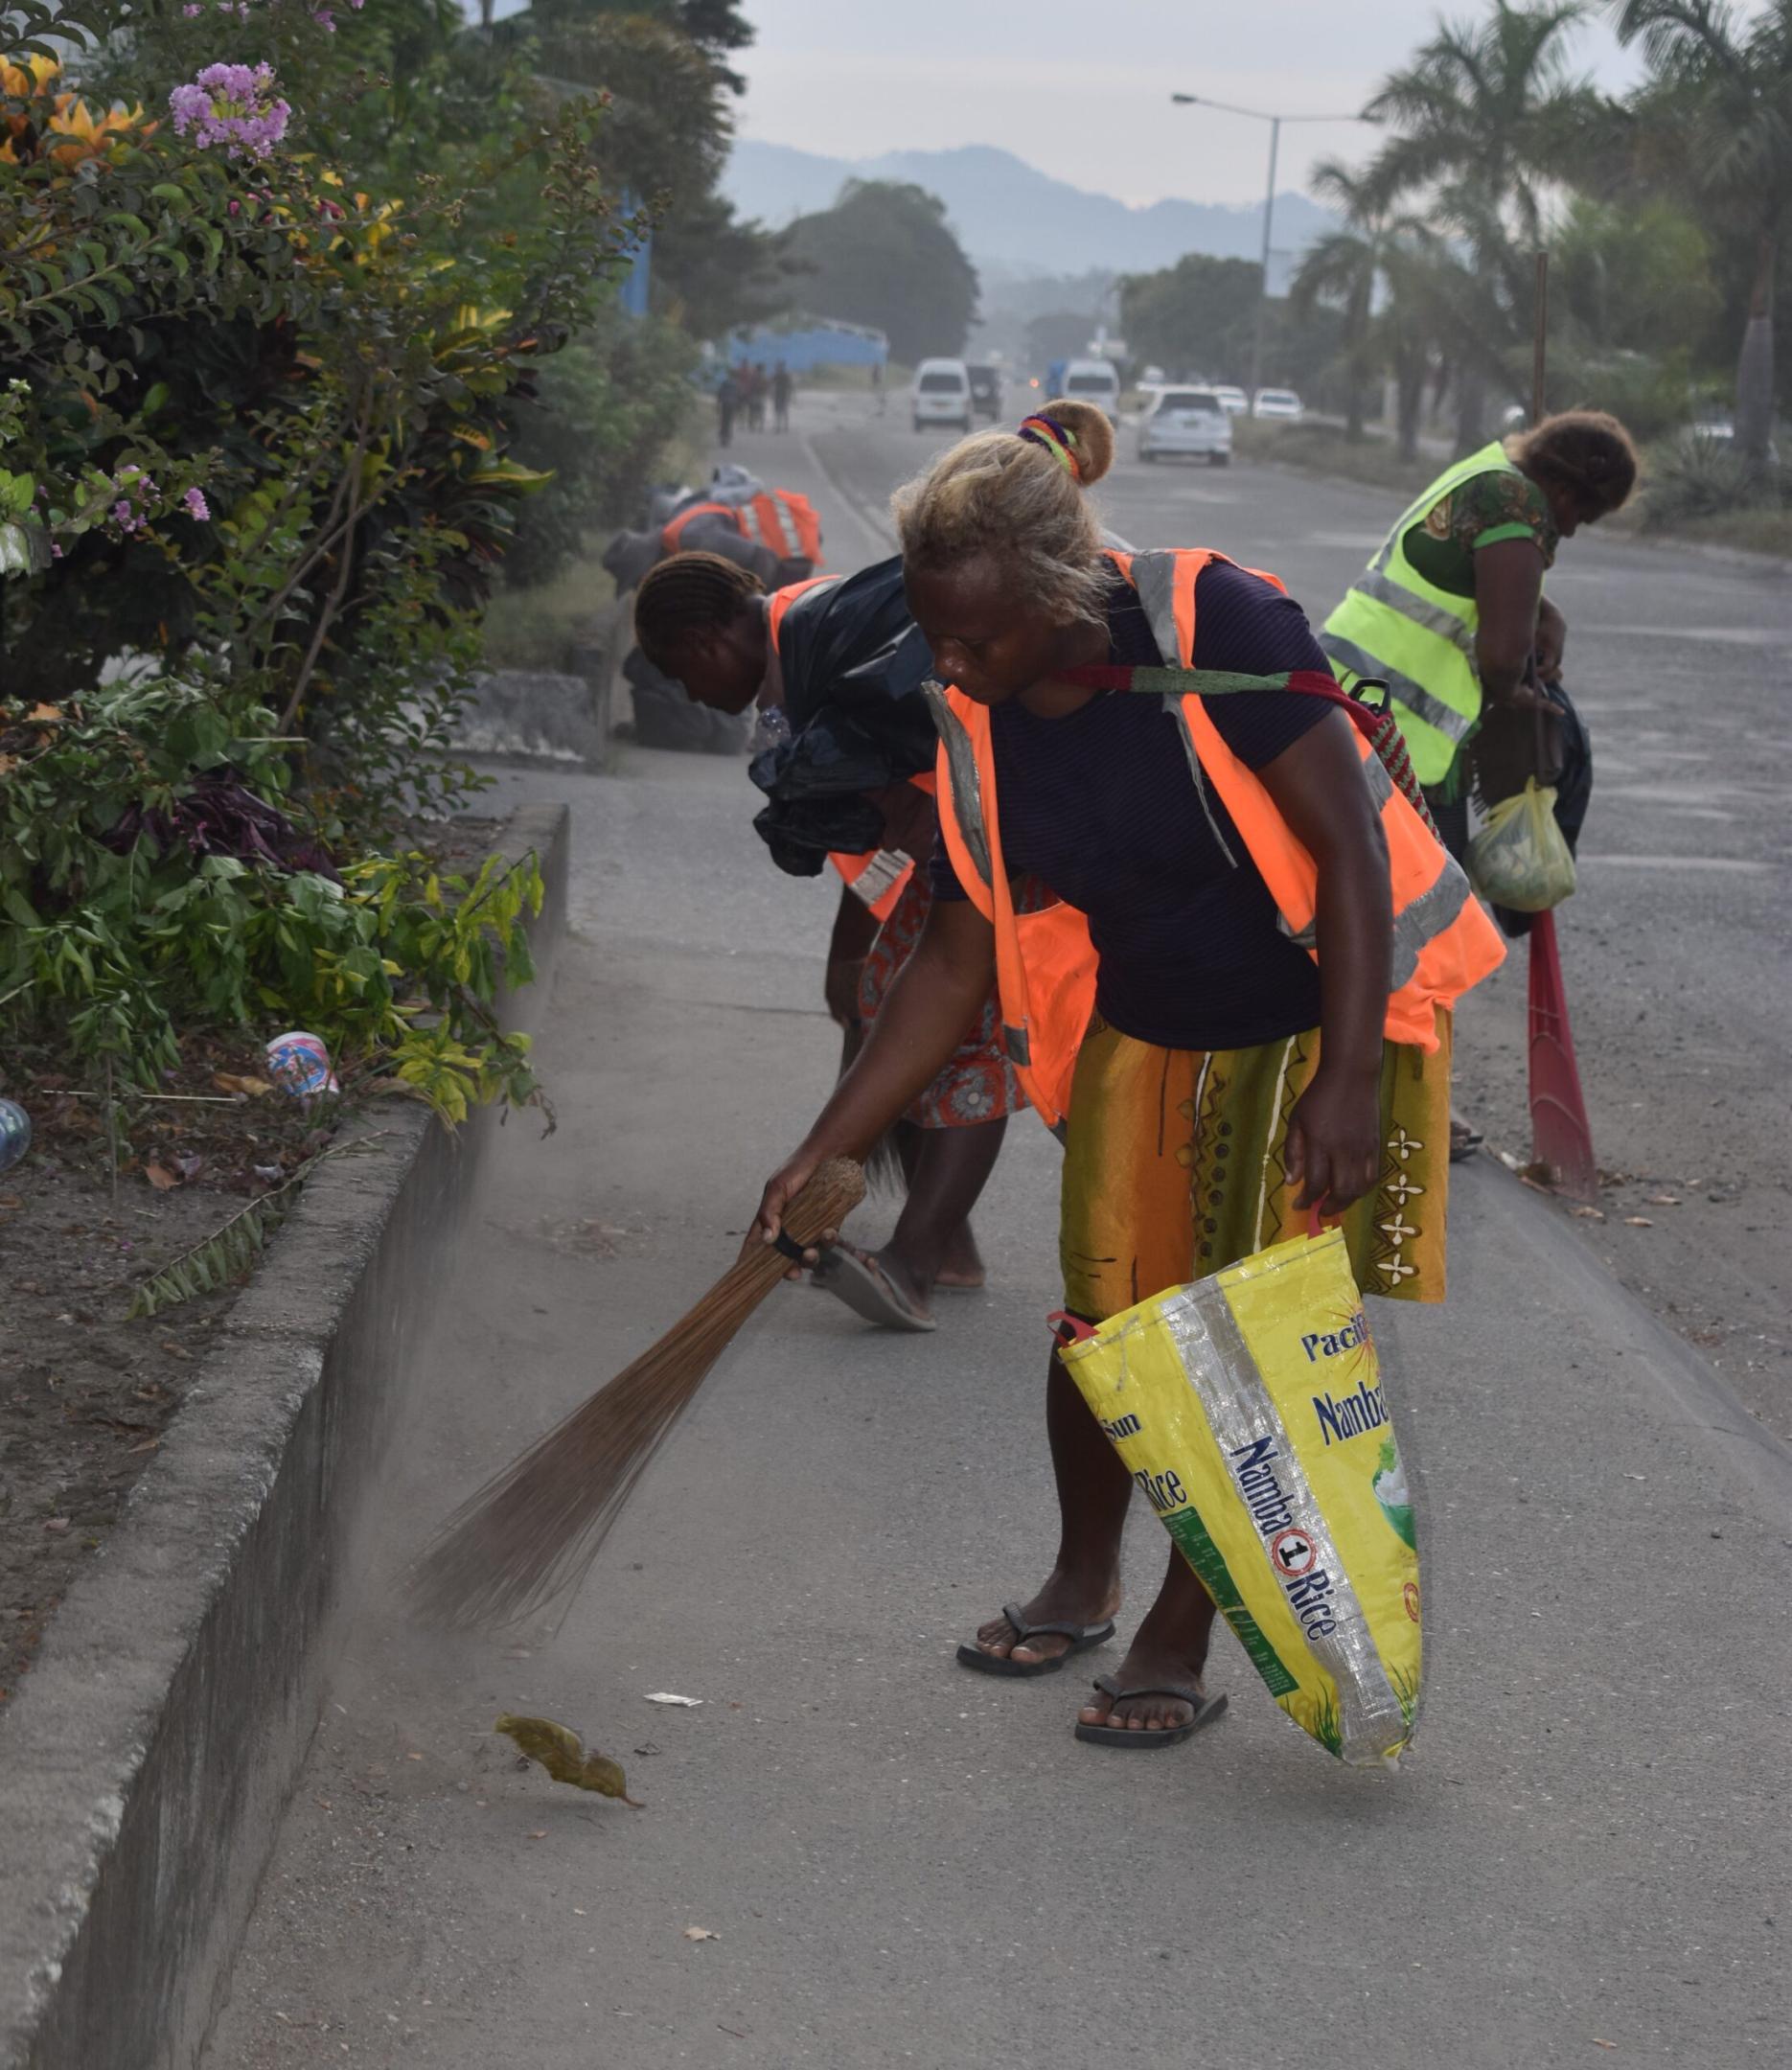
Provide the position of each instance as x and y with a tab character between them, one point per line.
1081	1637
1206	1708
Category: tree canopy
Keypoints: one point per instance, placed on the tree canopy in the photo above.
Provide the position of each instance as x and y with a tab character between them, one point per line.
884	256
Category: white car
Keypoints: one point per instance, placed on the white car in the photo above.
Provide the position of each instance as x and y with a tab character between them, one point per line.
1187	421
941	394
1095	381
1232	400
1278	402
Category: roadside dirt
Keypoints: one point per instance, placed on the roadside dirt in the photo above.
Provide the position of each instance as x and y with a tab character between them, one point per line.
86	1393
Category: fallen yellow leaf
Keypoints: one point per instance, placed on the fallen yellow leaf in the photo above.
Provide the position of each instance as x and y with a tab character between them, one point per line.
560	1750
250	1088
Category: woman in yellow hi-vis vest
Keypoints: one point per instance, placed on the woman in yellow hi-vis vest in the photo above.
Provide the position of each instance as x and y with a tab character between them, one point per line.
1226	948
1451	611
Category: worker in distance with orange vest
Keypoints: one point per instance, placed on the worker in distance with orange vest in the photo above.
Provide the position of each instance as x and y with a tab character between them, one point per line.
847	747
1225	946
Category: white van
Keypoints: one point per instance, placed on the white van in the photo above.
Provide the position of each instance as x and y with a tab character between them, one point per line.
1095	381
941	394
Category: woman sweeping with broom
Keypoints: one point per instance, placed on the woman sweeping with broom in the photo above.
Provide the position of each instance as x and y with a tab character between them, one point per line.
1268	934
837	667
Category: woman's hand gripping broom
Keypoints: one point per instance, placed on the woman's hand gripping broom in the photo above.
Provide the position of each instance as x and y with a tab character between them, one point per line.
531	1535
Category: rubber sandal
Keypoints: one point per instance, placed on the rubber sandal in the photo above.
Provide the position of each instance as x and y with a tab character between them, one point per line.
866	1290
1206	1708
1081	1637
1464	1141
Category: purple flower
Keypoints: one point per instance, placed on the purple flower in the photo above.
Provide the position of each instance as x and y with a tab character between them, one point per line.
233	105
197	507
192	9
124	517
325	20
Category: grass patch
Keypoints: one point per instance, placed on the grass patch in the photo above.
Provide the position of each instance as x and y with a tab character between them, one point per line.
1322	450
855	379
533	629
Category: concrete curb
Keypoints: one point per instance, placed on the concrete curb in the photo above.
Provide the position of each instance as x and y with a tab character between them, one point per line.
147	1759
565	719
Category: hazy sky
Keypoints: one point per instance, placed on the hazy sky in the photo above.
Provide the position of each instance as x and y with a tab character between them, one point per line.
1080	88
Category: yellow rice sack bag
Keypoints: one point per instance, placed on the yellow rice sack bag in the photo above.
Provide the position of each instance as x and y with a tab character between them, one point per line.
1248	1409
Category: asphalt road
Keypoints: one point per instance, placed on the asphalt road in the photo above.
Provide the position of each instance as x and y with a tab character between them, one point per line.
900	1863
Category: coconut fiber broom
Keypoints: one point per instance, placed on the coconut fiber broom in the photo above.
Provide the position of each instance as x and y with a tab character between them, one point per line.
529	1536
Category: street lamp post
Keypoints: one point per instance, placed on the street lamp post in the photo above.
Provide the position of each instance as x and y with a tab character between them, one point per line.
1275	122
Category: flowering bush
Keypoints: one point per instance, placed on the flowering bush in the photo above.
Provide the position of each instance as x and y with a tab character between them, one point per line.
255	361
234	105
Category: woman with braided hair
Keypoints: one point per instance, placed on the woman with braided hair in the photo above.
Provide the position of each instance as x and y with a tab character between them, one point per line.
1225	946
708	623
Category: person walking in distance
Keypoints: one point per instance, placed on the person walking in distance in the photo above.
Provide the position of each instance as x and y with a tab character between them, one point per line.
781	386
727	401
1224	944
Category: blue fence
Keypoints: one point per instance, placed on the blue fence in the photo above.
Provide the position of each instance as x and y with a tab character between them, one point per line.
816	344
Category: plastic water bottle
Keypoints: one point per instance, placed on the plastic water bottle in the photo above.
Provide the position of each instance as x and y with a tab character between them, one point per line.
15	1133
770	729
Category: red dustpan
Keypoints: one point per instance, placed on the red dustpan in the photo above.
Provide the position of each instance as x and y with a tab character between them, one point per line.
1560	1137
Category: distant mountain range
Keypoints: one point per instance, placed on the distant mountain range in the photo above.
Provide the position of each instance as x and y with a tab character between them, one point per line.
1013	219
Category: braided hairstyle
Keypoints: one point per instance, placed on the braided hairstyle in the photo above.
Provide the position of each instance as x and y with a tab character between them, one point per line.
688	593
1584	452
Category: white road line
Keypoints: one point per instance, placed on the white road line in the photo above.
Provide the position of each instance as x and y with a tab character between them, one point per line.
1733	864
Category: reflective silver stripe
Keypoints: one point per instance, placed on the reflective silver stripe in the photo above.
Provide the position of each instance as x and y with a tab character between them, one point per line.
1375	775
1154	577
1454	725
1247	1424
1422	921
882	874
966	789
1426	918
1174	706
1019	1050
1431	616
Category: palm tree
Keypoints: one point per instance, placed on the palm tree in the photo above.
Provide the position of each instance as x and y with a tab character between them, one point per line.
1345	269
1720	102
1371	269
1486	114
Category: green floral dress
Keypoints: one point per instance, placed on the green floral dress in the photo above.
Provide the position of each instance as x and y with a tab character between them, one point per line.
1478	512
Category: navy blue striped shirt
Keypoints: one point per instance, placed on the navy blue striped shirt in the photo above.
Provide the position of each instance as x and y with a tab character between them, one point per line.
1100	806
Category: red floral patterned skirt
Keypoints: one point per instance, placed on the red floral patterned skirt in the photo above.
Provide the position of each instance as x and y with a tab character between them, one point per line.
977	1083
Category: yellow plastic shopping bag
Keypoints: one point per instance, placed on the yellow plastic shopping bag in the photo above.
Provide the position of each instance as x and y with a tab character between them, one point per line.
1520	857
1248	1409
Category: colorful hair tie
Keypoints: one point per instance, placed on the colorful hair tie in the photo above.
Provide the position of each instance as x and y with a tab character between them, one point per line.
1057	439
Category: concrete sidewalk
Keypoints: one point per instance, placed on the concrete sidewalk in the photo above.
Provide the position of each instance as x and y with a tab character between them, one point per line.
902	1863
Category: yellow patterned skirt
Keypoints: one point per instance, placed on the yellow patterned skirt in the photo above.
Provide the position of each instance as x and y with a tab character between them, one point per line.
1173	1168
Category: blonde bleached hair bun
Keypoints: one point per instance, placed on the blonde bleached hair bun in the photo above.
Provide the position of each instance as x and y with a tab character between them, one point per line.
1088	427
1012	499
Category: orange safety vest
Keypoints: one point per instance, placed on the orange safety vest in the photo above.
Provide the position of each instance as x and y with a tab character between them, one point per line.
880	876
780	518
1443	943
